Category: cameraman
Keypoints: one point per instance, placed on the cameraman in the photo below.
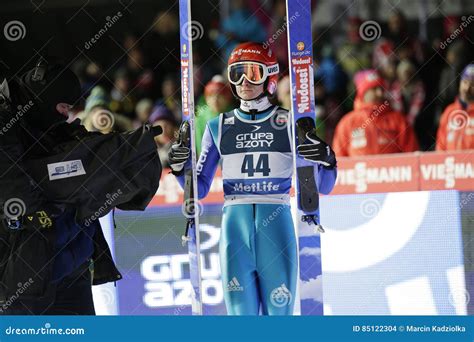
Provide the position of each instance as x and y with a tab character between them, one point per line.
57	179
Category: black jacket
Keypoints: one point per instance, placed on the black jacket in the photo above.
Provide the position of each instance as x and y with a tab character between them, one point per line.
68	167
95	172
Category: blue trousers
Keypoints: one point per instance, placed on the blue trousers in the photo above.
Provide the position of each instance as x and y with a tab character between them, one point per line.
259	260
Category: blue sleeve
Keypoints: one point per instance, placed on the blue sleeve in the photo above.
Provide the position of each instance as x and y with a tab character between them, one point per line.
326	179
206	165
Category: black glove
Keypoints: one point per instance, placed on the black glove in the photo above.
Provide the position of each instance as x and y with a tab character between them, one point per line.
155	130
180	151
317	151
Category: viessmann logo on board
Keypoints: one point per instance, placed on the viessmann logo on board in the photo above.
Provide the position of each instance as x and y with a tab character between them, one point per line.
447	171
302	78
362	176
412	172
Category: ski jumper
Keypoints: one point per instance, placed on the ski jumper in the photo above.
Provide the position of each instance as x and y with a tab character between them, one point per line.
258	250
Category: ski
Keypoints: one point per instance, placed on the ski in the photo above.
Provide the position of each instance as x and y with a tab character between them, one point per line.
190	204
303	118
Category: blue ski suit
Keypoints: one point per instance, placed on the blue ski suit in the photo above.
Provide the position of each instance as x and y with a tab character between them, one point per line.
258	246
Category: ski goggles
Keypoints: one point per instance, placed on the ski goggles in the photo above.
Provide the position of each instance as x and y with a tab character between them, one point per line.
254	72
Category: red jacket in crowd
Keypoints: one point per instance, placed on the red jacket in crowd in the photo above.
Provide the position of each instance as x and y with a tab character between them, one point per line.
373	129
456	128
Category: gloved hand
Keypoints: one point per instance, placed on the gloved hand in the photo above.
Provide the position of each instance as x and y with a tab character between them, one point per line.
180	151
155	130
178	156
317	151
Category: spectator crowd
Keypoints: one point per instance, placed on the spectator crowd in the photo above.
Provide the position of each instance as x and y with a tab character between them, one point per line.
394	94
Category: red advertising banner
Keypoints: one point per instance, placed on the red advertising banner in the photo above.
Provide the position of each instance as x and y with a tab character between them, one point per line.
443	171
381	173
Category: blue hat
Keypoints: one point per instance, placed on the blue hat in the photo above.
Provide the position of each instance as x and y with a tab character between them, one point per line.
468	73
161	112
